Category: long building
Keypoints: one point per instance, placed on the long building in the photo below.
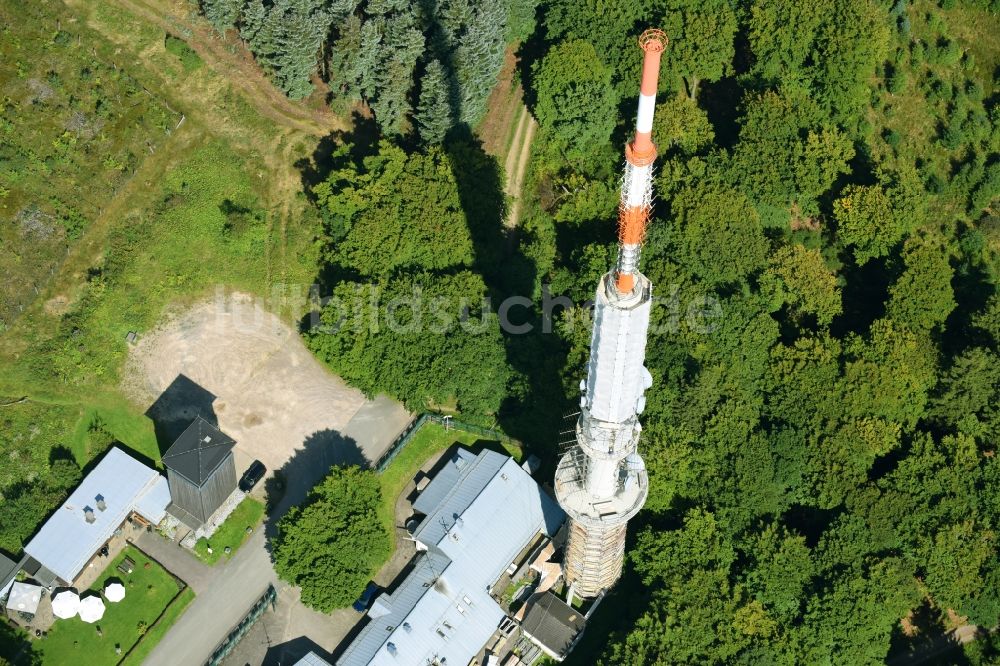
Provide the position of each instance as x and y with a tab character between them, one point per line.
482	515
118	488
601	483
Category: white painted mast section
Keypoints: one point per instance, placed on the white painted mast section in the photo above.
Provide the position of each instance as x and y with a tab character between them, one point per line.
601	482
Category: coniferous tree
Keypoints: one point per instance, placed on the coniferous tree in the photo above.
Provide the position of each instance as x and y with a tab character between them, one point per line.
294	31
433	115
479	57
521	20
387	86
251	21
222	14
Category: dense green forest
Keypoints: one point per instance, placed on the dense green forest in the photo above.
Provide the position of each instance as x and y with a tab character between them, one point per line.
821	448
822	430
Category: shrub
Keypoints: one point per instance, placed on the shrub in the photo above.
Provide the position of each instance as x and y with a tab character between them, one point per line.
896	82
952	137
189	59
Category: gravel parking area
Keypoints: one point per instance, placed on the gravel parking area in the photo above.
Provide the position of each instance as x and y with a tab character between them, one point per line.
233	362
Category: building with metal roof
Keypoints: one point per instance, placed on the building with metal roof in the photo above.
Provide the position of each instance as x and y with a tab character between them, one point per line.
553	625
201	471
8	569
446	478
118	486
479	524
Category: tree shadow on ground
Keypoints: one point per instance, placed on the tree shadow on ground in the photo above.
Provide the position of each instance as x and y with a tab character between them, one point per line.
15	646
362	140
311	462
176	408
532	412
928	641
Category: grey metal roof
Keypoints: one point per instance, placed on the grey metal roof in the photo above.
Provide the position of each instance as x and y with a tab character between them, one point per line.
444	481
552	623
473	478
152	504
312	659
199	451
481	524
67	541
8	569
428	567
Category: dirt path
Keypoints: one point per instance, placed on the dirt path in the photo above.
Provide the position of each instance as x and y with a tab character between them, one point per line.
517	165
510	164
237	65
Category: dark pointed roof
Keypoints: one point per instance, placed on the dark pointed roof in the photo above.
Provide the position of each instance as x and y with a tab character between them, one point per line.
553	623
198	451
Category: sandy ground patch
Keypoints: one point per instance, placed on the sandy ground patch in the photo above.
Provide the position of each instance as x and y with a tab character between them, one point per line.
230	360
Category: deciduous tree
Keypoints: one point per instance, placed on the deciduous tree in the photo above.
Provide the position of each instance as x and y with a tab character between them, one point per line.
331	545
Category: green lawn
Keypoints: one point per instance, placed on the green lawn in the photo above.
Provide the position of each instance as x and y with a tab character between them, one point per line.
160	629
429	440
149	591
233	532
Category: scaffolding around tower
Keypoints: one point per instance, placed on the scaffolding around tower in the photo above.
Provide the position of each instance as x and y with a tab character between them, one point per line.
601	482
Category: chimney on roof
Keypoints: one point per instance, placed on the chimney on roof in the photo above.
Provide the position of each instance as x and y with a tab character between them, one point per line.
88	515
101	504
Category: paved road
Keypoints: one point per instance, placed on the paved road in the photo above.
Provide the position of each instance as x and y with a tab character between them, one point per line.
237	584
176	560
234	586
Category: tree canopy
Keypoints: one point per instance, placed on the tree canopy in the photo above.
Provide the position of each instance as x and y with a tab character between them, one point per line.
334	542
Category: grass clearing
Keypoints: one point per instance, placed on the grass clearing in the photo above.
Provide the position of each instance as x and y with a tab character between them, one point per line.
207	202
150	590
73	129
916	115
190	60
232	532
156	633
429	440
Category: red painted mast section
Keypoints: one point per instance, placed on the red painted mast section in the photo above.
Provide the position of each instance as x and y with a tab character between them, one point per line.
634	211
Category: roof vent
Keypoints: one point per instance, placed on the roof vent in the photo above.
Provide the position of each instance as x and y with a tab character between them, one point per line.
101	504
406	625
391	648
88	515
208	438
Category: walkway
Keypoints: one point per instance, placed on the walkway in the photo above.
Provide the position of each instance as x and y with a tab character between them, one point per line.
178	561
516	165
234	587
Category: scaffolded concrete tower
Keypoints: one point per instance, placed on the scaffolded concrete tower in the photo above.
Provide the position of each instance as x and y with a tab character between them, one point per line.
601	482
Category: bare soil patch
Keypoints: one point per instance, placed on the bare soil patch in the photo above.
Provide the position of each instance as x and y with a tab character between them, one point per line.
267	391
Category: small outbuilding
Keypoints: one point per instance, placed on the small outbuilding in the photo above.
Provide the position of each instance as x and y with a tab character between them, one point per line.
553	625
201	472
24	598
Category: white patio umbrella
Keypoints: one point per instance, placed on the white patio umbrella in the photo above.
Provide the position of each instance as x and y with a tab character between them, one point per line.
91	608
114	592
65	604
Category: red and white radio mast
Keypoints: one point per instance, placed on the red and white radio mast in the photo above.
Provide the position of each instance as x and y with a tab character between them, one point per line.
601	482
